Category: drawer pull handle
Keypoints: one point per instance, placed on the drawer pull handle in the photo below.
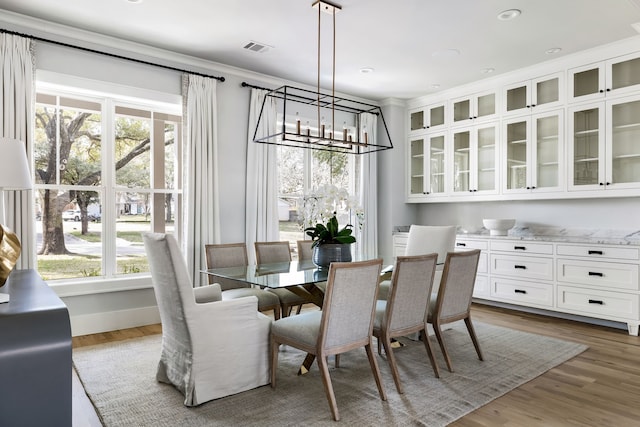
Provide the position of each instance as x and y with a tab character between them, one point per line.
595	273
461	244
520	248
595	301
592	252
520	291
523	267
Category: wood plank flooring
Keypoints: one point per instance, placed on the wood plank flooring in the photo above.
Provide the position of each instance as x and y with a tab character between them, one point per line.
600	387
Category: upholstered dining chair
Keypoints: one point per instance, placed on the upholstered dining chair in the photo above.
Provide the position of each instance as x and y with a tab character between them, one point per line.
235	255
427	239
270	252
453	301
344	323
405	310
210	348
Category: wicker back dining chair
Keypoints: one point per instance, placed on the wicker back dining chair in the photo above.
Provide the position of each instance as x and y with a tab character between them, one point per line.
405	310
453	301
270	252
235	255
344	323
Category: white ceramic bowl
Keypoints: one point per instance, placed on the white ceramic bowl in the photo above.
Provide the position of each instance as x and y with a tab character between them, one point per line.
498	227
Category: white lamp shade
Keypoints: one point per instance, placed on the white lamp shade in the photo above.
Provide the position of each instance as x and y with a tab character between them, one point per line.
14	167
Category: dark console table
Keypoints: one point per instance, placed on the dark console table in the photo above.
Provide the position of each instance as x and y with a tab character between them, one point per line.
35	354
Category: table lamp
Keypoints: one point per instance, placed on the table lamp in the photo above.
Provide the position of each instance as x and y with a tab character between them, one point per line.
14	175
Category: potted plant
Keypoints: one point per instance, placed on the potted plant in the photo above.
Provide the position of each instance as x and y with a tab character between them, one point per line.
330	242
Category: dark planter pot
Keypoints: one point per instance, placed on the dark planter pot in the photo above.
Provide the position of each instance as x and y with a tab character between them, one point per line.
324	255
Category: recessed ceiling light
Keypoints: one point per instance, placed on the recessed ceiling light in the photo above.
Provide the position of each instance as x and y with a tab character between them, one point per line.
509	14
487	70
445	53
134	1
366	70
553	50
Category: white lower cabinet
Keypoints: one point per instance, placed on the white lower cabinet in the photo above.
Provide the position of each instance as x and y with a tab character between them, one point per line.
592	280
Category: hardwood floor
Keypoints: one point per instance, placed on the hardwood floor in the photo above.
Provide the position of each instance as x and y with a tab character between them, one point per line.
600	387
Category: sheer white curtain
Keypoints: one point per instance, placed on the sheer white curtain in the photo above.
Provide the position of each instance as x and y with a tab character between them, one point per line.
367	244
262	175
202	212
16	112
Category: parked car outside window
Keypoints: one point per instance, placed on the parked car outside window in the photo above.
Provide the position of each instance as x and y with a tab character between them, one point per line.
71	215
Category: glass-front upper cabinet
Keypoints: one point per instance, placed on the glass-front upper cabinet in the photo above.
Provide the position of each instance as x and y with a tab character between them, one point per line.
615	76
474	108
534	95
475	156
533	153
427	165
604	150
430	117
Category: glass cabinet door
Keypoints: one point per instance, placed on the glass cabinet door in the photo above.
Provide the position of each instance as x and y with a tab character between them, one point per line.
547	137
429	117
587	146
436	164
487	178
416	164
624	146
516	137
486	105
546	91
416	120
461	161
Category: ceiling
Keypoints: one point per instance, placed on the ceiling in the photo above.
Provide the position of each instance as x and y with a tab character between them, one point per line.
407	43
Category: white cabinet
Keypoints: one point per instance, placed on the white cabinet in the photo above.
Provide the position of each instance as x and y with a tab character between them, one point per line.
616	76
603	145
481	287
430	117
474	108
475	159
534	95
427	166
533	158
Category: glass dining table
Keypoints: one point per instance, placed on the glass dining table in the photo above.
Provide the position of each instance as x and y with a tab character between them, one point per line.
300	277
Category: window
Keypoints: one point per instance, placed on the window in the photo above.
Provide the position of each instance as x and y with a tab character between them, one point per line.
300	171
106	169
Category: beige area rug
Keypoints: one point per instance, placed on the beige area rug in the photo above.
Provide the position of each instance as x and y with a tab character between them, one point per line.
120	381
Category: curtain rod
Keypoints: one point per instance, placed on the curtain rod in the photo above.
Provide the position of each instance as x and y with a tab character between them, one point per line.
245	84
2	30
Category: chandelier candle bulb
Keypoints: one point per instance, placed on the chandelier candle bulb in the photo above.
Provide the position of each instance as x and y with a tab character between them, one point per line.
297	124
344	132
366	138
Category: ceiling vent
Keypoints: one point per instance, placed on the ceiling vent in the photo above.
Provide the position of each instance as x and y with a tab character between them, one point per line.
257	47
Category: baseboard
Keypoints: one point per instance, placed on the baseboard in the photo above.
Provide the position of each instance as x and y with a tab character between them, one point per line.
113	320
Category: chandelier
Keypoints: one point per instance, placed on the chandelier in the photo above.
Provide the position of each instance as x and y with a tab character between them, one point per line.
321	121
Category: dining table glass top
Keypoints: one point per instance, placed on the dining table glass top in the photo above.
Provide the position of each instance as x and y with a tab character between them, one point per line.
274	275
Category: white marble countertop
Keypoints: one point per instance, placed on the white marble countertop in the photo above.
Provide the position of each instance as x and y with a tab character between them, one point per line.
555	234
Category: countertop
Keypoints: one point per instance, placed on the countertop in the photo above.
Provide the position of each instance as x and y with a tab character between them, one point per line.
553	234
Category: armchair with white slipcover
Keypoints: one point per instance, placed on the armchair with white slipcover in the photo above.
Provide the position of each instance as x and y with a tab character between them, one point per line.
210	348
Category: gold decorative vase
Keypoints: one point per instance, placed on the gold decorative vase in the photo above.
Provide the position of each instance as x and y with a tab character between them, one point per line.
9	253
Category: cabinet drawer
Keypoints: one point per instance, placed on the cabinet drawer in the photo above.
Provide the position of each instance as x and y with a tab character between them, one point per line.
605	275
522	292
519	246
596	303
483	245
483	263
596	251
522	267
481	287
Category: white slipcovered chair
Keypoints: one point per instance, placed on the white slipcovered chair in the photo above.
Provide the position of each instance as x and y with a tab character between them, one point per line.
210	348
427	239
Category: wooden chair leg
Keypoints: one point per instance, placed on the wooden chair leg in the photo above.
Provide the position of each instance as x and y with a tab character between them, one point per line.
391	360
424	336
375	370
275	348
474	338
276	312
299	309
328	387
438	331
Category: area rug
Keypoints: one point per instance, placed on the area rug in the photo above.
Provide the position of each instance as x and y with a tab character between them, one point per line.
119	378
